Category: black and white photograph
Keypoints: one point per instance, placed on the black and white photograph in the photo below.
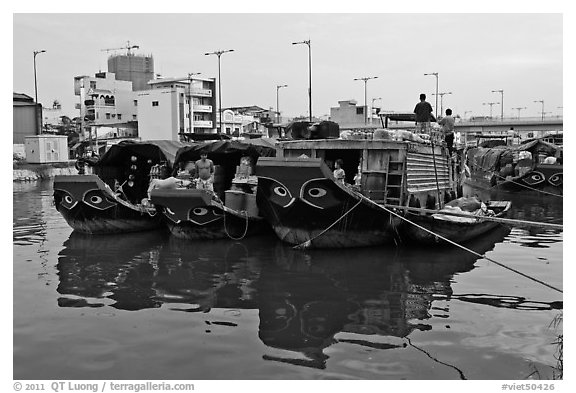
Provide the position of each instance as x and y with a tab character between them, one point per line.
218	198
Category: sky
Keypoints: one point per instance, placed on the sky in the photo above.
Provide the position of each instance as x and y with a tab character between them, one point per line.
473	54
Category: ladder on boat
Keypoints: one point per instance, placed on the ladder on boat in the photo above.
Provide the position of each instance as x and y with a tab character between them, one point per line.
391	189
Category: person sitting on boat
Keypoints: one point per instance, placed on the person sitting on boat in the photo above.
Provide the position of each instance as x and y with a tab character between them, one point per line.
423	111
204	173
447	123
339	173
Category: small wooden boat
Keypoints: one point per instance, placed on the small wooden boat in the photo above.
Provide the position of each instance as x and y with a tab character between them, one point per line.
305	205
228	212
453	223
110	199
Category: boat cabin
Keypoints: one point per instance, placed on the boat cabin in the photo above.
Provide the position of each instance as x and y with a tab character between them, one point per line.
393	172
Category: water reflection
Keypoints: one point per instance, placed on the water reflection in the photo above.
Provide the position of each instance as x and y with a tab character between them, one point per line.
304	299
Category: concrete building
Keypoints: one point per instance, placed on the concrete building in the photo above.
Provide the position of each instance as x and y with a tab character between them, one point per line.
105	100
164	111
137	69
26	117
350	116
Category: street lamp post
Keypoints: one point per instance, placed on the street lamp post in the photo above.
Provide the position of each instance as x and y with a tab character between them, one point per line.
542	102
278	87
501	103
219	53
365	79
519	109
372	108
307	42
38	122
442	101
190	74
491	104
436	75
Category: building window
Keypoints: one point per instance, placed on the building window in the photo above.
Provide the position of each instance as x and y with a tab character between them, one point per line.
135	102
119	116
108	116
360	110
154	103
92	84
133	117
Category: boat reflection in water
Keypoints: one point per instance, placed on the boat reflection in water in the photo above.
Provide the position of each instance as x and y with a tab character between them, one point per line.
306	301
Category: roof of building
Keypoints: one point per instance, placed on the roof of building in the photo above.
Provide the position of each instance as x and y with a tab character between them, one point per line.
22	97
245	109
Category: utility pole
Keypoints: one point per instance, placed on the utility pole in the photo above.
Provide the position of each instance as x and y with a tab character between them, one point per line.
307	42
278	87
542	102
365	79
436	75
501	103
38	117
219	53
519	109
441	101
491	104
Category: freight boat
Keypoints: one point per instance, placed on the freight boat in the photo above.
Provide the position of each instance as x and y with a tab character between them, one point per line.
307	207
112	199
230	210
535	165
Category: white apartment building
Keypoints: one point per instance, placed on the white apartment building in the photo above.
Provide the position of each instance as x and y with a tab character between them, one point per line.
105	100
164	111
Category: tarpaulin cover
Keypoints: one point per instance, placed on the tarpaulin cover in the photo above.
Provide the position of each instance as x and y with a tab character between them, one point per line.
157	151
489	159
536	146
222	152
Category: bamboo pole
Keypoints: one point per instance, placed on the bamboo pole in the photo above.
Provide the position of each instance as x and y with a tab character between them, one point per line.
485	218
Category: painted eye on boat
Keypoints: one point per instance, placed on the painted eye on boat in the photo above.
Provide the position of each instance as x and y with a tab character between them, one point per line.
280	191
316	192
200	211
68	199
95	199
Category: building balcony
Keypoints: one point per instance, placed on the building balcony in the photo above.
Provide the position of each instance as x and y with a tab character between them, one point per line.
202	123
201	92
202	108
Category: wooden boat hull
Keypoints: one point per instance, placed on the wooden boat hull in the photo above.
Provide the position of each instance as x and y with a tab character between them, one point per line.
460	231
89	206
306	207
194	214
547	178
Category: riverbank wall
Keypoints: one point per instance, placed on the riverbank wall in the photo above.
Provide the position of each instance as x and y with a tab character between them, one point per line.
23	172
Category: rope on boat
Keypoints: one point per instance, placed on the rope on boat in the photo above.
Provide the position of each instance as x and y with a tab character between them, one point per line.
226	228
308	242
517	183
484	218
458	245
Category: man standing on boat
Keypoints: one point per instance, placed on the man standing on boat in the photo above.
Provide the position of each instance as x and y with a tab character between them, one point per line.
447	123
423	111
204	172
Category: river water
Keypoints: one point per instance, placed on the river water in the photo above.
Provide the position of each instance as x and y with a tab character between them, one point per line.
147	306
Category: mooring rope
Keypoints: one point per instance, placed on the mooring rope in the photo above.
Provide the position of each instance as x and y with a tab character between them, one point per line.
458	245
226	229
308	242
